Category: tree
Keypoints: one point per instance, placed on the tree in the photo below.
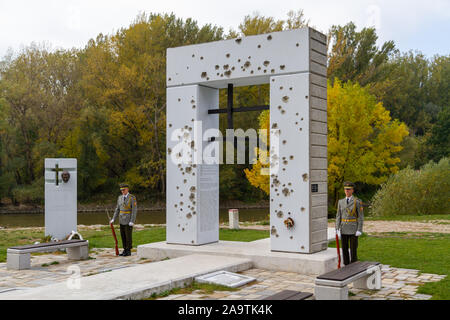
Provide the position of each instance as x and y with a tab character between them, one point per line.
362	138
355	56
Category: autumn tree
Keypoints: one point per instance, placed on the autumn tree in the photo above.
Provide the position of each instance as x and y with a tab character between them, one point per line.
363	140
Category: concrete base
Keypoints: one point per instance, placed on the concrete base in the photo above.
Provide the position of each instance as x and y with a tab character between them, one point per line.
18	261
78	253
257	251
136	282
330	293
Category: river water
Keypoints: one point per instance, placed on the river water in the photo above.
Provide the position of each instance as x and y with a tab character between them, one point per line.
14	220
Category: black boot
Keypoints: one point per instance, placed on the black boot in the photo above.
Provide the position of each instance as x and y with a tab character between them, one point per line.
127	253
123	253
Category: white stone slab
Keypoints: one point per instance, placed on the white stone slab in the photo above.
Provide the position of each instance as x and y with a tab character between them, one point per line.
246	61
60	198
225	278
257	251
136	282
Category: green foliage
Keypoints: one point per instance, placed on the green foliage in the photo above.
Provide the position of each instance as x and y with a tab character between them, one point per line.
415	192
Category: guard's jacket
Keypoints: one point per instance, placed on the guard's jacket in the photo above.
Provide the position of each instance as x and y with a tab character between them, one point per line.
349	217
126	210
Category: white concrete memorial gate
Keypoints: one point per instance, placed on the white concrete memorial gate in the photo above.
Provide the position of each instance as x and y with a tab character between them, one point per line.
294	63
60	197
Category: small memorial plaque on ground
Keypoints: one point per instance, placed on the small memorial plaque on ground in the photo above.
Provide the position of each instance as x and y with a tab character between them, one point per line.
225	278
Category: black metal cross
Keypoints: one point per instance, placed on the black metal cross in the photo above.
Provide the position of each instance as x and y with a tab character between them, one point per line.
230	110
57	170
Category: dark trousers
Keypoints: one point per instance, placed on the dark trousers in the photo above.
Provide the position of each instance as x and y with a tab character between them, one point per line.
345	239
126	233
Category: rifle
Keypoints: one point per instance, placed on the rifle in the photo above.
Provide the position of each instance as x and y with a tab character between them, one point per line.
113	232
338	251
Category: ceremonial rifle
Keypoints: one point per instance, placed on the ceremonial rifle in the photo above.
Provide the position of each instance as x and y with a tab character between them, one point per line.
113	232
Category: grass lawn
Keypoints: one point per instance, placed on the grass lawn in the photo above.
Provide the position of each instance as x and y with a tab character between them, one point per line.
427	252
104	239
410	218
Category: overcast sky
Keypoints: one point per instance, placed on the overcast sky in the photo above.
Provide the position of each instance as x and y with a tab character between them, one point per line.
412	24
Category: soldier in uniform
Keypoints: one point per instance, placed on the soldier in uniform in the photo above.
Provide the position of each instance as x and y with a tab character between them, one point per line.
126	210
349	223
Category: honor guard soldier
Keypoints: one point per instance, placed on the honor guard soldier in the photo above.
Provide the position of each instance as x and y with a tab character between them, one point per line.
126	210
349	222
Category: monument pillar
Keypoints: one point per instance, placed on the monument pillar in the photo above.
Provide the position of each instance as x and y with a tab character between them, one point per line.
192	196
60	197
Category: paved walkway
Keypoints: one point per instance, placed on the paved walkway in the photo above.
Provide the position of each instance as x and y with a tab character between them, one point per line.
48	269
397	284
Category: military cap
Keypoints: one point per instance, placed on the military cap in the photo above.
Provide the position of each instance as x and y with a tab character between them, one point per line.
123	186
349	185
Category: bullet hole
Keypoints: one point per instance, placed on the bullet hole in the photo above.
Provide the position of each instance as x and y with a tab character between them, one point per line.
296	122
305	177
300	129
192	241
296	113
273	230
285	99
259	46
280	214
306	97
178	187
289	184
194	166
249	57
266	63
207	78
272	71
238	40
284	169
283	111
282	67
189	216
194	212
251	72
274	125
188	170
232	68
217	67
279	107
181	203
179	226
179	99
192	196
175	205
297	44
247	64
227	55
181	194
276	182
221	74
281	88
227	73
192	144
193	107
203	75
259	68
286	192
291	158
284	141
302	247
301	119
281	205
184	181
201	58
269	37
182	229
169	151
290	88
170	79
291	237
239	60
226	67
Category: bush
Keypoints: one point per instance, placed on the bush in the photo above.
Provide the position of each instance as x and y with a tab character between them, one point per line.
415	192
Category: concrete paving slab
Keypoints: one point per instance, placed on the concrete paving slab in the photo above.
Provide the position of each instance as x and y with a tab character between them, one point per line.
257	251
135	282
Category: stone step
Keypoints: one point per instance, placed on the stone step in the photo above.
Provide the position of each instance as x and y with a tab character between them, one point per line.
134	282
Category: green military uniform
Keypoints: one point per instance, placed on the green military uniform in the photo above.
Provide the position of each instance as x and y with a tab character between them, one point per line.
349	220
126	209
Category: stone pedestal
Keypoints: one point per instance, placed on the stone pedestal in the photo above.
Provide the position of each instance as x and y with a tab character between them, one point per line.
60	197
233	217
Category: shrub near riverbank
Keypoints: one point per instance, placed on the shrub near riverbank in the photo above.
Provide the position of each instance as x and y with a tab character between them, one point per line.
415	192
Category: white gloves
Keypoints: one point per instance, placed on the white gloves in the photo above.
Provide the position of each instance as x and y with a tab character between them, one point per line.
358	233
131	224
112	221
338	233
